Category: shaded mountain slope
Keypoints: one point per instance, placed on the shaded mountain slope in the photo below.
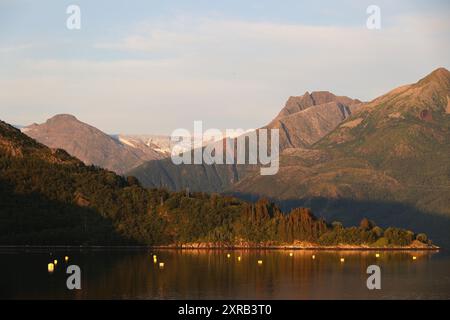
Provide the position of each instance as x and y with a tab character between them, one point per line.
302	122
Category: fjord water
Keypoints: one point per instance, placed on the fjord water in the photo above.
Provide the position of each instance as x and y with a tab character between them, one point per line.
220	274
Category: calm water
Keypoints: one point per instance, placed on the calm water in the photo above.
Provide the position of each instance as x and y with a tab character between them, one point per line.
212	275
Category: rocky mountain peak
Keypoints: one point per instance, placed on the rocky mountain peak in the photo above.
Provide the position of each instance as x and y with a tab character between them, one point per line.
439	79
306	119
299	103
440	75
64	117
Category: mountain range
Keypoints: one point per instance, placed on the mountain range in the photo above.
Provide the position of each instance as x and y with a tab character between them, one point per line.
118	153
387	159
303	121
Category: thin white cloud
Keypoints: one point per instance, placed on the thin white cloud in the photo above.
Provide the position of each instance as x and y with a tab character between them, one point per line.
13	49
154	41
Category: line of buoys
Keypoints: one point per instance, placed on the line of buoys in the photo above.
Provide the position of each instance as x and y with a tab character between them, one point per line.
51	265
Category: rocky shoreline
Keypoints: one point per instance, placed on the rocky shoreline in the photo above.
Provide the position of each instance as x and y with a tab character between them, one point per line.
416	245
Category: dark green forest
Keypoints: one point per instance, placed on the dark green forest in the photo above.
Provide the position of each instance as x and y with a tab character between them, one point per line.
49	198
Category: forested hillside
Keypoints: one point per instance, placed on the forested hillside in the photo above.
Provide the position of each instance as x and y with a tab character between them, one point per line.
48	197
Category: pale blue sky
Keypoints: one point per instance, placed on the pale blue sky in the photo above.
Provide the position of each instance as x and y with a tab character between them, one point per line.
154	66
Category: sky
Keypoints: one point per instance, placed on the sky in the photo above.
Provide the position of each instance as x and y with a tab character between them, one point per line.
150	67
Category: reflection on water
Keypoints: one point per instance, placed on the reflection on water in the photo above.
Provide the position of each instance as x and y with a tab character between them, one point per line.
218	274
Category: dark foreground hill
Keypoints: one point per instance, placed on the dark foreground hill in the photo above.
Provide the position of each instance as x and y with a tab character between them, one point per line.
47	197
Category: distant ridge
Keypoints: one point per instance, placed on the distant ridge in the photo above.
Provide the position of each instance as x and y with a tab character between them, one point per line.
89	144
